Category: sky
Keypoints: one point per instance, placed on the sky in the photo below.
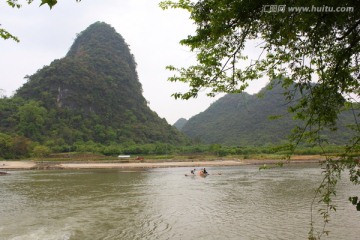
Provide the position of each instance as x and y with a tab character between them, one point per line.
152	34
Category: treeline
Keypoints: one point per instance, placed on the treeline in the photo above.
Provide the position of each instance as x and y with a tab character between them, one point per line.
59	127
20	147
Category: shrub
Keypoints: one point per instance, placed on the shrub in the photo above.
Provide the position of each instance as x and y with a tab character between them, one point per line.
41	151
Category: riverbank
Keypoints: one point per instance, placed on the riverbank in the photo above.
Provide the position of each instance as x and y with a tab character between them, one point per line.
29	165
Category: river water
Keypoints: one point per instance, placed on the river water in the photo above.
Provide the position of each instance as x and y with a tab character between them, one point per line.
241	203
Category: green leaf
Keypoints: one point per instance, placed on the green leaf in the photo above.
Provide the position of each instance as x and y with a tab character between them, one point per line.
353	200
50	3
6	35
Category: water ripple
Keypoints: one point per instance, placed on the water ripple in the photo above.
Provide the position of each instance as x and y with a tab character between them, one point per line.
242	203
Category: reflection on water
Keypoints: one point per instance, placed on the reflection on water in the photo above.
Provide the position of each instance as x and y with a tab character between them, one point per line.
241	203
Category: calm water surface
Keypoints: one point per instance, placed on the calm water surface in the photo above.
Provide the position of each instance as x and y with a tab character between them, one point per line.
242	203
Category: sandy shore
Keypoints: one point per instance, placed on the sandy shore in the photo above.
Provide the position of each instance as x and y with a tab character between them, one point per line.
95	165
150	165
17	164
98	165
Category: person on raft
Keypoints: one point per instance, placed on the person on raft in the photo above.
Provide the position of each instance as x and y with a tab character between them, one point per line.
193	171
204	171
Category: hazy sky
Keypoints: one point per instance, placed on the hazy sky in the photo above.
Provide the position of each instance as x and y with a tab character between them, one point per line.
153	36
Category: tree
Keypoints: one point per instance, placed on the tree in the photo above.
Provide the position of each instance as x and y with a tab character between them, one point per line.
20	146
14	4
32	118
41	151
5	145
304	44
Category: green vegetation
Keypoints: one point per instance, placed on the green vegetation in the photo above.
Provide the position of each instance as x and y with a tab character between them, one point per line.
19	147
91	95
243	119
317	52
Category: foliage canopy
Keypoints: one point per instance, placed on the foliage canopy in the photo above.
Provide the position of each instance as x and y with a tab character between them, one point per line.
298	45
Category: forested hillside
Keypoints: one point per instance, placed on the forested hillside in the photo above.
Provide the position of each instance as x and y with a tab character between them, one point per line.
262	119
179	124
92	94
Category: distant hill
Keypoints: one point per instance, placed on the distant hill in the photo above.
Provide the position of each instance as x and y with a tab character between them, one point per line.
179	124
92	94
243	119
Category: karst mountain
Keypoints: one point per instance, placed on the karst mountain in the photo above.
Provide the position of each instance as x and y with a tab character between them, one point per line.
91	94
255	120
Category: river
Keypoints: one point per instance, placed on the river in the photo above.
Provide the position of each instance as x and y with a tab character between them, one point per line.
241	203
